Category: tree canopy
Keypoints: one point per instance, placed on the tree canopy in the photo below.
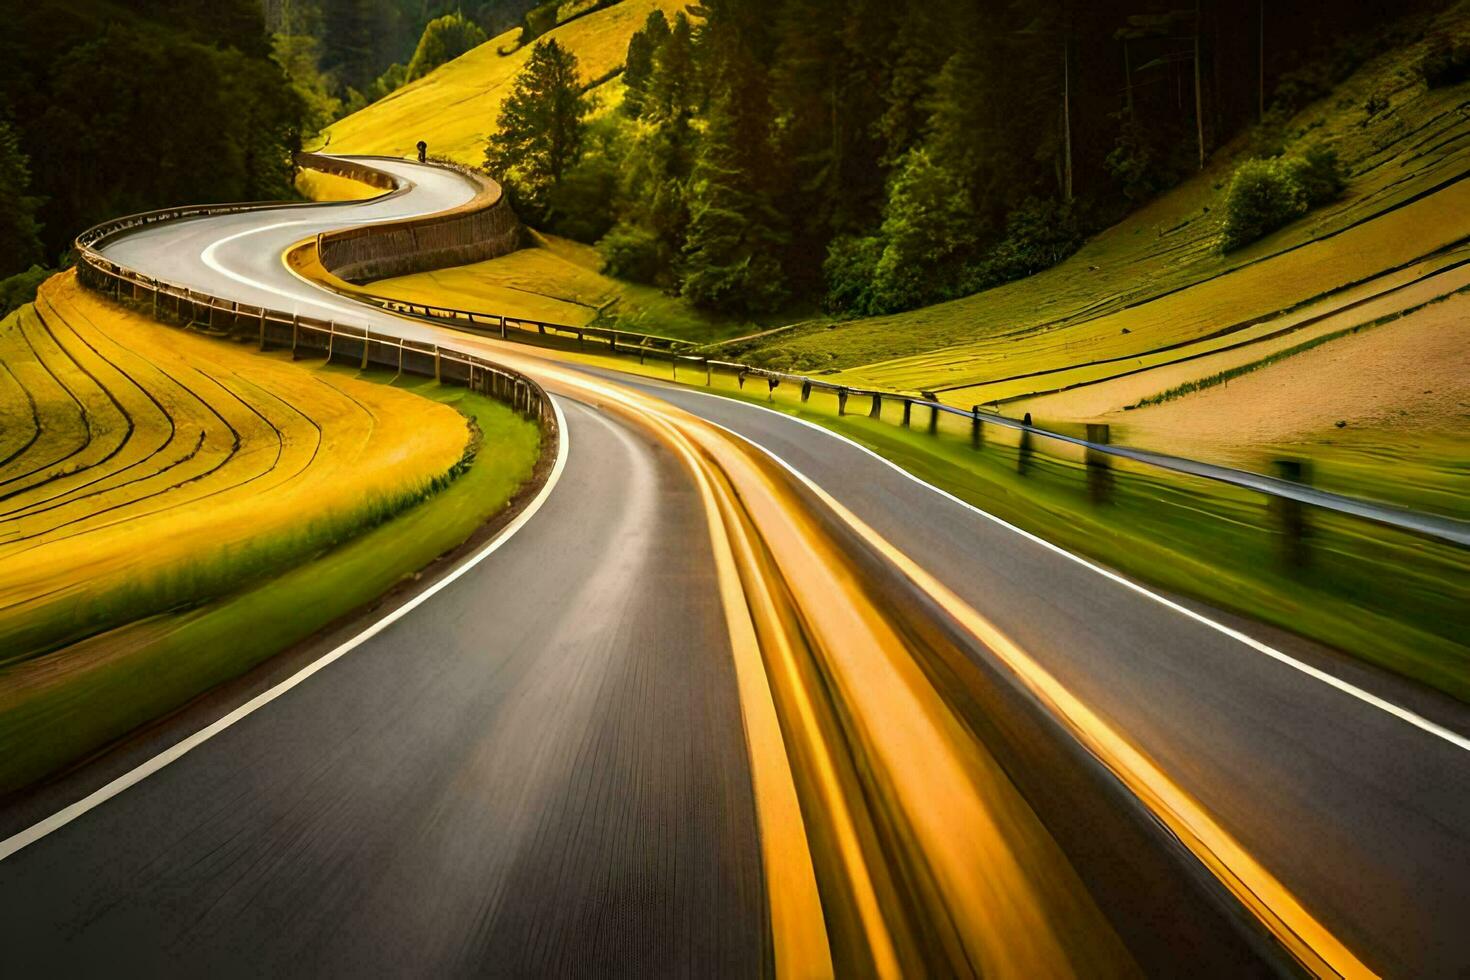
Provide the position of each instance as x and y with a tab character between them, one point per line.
541	129
880	154
444	39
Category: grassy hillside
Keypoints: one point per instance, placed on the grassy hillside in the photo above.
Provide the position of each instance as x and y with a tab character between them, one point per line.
122	431
1159	278
150	477
455	106
558	281
317	186
1366	291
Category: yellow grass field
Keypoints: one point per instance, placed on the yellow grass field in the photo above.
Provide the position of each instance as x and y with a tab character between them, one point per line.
317	186
558	281
455	106
142	467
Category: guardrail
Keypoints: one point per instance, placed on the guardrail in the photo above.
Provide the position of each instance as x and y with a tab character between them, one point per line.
1287	496
303	335
1097	450
619	341
483	227
345	167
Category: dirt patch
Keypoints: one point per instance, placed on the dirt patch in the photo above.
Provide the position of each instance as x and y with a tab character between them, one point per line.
1409	374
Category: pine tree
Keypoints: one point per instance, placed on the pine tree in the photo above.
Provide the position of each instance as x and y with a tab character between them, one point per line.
444	39
672	95
809	126
541	129
919	49
638	66
20	242
733	252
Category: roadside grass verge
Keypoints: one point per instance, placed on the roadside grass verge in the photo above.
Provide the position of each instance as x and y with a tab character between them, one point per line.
60	707
559	281
164	468
1386	597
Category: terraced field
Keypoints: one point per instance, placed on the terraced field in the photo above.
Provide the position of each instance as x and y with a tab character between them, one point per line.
144	469
1156	285
455	106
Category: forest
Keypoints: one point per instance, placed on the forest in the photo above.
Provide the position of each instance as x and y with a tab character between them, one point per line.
769	155
876	155
107	110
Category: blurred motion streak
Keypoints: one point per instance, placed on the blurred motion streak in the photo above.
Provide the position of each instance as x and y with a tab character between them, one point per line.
883	768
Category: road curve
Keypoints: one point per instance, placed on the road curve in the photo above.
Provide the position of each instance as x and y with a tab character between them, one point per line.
543	768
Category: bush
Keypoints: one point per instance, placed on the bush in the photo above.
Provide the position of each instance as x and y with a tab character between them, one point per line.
581	205
929	232
1039	234
20	289
1145	162
848	271
1263	196
1319	174
630	252
1446	62
444	39
1267	194
538	21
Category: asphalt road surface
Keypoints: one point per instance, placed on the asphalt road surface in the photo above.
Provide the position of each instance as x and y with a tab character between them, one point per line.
542	768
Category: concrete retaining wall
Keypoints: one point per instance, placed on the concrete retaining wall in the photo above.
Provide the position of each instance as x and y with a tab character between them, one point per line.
482	228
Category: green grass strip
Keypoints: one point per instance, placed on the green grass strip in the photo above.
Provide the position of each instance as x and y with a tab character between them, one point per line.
97	691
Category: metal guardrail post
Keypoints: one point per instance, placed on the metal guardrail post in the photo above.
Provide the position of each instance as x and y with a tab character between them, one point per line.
876	411
1099	464
841	401
933	419
367	339
1291	515
771	384
806	390
262	328
977	434
709	374
1024	450
331	339
908	411
295	333
438	370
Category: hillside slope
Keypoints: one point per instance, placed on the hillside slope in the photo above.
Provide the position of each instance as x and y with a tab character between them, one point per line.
1158	278
455	106
145	468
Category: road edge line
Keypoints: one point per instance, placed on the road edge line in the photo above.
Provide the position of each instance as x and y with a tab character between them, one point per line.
1331	680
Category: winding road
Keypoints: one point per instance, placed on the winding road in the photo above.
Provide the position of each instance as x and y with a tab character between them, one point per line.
554	760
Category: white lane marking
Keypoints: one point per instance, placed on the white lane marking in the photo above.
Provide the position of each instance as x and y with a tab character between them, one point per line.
208	258
1352	690
61	818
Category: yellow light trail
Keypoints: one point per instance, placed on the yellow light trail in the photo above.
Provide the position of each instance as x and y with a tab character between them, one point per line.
992	889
